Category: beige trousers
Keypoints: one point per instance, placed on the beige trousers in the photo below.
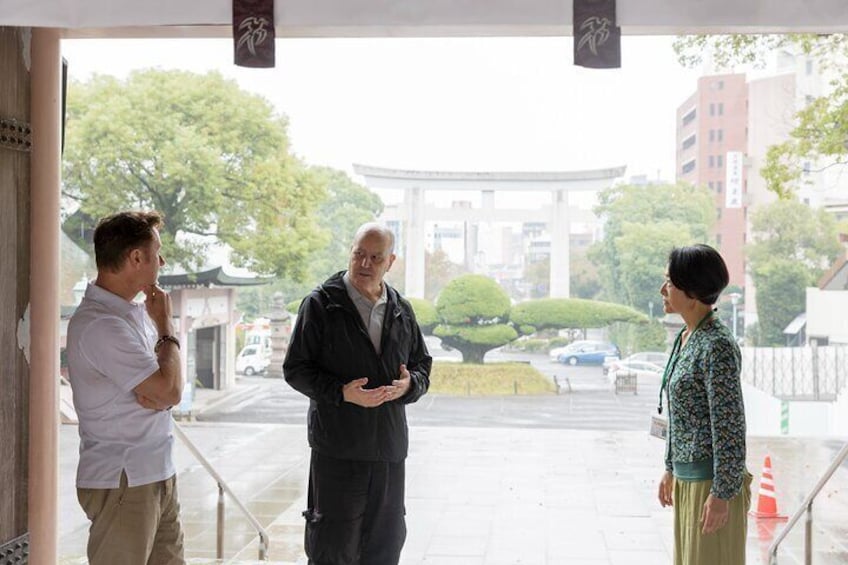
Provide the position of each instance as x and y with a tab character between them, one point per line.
134	526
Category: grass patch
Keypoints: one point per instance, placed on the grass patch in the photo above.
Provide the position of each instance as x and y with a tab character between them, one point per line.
489	379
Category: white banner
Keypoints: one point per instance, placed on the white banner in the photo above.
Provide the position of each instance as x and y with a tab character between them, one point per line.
733	182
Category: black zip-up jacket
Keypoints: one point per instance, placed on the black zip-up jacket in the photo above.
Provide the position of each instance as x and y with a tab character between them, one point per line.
330	347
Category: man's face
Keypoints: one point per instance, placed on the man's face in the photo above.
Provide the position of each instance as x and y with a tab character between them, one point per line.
370	259
152	260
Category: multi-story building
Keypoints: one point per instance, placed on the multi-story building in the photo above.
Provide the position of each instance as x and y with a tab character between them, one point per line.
712	138
724	131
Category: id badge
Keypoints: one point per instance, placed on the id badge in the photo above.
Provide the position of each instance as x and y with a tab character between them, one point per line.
659	427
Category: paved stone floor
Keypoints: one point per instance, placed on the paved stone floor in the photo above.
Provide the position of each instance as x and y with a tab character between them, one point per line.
479	496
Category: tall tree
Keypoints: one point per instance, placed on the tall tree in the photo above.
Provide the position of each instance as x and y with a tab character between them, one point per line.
821	131
793	245
643	223
439	270
212	158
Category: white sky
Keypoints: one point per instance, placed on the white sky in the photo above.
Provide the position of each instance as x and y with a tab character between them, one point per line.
451	104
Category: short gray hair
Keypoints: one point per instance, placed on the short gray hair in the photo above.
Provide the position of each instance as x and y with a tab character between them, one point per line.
380	229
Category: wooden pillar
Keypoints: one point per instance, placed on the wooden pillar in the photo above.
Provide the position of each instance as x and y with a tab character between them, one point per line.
46	76
14	283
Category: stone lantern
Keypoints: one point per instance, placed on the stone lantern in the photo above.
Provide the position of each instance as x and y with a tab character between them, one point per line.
280	322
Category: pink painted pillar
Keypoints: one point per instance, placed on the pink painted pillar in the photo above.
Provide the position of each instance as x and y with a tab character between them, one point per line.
46	75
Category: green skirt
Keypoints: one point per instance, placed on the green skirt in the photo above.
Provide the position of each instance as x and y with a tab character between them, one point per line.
724	547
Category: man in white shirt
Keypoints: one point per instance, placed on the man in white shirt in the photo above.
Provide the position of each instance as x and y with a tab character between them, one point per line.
124	368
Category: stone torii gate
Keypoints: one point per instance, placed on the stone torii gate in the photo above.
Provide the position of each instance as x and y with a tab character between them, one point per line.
415	212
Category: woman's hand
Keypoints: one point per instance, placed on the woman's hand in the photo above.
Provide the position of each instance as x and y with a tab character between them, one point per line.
714	514
666	489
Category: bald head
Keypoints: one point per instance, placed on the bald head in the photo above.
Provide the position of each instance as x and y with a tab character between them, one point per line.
375	229
371	256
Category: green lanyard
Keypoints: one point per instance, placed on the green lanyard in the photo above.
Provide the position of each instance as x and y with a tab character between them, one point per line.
672	360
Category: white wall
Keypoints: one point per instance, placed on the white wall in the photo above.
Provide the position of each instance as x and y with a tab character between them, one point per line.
806	419
821	319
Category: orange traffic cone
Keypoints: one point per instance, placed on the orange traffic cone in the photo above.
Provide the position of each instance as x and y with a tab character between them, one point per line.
766	502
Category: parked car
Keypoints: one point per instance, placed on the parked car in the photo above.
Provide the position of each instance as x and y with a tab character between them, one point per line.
639	368
655	357
252	360
586	352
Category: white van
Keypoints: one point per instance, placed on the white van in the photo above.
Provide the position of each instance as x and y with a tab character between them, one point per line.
252	360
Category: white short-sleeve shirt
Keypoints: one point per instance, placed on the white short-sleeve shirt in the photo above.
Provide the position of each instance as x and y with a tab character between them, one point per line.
110	352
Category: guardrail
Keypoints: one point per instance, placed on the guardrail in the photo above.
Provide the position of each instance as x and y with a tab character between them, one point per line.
222	489
807	508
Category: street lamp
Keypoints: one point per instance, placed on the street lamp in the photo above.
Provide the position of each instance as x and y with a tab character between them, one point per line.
734	300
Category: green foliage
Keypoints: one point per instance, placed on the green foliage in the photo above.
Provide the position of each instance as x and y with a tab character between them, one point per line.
212	158
781	294
821	130
293	306
439	270
488	379
425	314
473	341
473	311
346	205
632	339
788	229
643	224
793	245
562	313
472	300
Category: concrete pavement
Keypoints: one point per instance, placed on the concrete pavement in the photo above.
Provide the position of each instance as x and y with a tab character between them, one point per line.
487	496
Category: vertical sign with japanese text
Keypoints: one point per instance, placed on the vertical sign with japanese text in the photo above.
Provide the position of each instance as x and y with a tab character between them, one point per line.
733	182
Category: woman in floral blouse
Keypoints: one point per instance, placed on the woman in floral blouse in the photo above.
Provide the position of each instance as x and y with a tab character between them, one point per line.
705	478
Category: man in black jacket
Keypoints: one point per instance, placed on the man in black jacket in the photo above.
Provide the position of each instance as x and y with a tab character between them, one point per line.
357	352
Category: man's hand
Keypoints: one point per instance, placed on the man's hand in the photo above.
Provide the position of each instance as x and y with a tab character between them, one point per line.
666	489
149	403
714	514
158	304
354	393
401	385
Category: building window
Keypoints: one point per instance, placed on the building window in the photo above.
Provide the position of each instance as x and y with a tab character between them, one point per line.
721	108
809	67
711	162
720	135
711	184
721	85
719	161
718	213
719	186
689	141
688	167
712	109
712	135
689	117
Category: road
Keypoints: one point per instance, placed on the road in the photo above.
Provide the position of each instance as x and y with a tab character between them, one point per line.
586	401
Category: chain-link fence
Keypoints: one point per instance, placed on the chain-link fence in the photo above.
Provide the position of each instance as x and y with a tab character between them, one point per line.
797	373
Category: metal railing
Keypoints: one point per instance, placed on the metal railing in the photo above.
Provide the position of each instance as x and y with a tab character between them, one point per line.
807	508
811	372
224	488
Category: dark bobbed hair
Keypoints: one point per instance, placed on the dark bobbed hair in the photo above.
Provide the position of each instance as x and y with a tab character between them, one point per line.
116	235
699	271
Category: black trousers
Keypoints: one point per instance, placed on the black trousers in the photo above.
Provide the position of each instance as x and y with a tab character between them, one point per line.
356	514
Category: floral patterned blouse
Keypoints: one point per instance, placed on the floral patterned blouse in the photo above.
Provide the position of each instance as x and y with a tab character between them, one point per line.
706	413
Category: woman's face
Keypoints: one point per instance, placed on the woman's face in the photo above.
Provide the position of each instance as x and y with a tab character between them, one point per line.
674	299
